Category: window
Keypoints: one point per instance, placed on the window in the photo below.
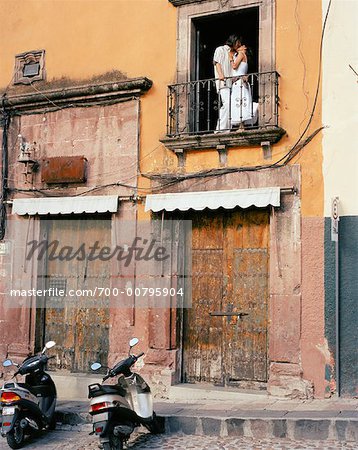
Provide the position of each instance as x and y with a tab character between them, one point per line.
29	67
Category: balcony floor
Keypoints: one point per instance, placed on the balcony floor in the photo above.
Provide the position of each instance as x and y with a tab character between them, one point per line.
239	138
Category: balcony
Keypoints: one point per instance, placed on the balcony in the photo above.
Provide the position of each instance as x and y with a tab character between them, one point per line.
193	111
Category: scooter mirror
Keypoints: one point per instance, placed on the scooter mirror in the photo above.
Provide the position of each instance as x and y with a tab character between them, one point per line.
96	366
133	342
50	344
7	363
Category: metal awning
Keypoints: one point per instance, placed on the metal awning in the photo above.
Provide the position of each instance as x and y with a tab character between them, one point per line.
244	198
65	205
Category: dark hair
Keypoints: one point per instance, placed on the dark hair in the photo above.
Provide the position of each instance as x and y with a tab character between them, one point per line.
249	53
232	39
243	40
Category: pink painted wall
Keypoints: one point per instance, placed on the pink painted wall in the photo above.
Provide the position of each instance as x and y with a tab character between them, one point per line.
314	348
106	135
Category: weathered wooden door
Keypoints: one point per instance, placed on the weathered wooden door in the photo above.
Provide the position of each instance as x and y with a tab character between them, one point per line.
230	257
80	322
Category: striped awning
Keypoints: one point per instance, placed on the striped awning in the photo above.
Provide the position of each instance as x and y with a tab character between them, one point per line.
244	198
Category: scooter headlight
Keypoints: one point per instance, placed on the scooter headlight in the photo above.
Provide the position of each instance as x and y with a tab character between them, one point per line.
9	397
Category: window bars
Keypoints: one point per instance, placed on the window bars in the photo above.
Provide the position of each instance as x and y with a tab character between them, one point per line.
251	102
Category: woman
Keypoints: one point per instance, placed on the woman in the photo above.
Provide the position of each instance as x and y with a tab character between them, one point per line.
243	109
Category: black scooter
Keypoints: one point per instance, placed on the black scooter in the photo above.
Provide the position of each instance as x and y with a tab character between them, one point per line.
28	408
117	409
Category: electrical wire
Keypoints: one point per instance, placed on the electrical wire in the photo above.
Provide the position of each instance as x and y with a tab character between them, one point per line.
299	48
172	179
318	84
70	105
352	69
3	94
4	168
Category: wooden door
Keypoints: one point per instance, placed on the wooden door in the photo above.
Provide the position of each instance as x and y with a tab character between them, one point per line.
229	275
80	323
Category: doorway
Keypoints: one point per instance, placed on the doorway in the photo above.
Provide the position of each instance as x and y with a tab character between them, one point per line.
230	269
78	320
210	32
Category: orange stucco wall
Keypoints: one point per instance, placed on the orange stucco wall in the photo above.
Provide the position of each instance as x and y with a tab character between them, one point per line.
298	37
138	37
83	38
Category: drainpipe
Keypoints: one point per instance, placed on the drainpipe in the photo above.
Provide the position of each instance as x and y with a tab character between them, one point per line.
337	322
334	237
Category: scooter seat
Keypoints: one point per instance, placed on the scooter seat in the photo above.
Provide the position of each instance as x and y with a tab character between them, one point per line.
108	389
38	391
24	386
28	388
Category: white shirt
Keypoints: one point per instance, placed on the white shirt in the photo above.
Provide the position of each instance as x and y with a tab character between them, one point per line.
222	57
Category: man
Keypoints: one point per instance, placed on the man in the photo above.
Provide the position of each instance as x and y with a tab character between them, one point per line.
222	67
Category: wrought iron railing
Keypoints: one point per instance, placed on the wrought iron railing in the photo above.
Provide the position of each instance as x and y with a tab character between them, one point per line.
193	108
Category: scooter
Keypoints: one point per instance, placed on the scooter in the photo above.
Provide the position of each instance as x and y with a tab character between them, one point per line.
28	408
118	409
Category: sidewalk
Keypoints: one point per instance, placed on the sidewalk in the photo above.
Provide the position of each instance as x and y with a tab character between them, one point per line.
244	415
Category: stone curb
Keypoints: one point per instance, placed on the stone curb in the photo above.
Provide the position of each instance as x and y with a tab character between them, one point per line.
261	428
267	428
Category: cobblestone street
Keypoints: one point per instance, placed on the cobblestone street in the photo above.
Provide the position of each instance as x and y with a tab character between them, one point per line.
80	440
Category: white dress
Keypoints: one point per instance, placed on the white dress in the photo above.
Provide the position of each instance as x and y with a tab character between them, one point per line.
243	109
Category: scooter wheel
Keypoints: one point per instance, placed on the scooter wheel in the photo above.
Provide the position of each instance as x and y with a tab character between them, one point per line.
15	437
52	424
115	443
156	426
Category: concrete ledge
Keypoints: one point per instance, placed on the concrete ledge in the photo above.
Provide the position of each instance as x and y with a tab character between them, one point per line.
69	387
99	93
